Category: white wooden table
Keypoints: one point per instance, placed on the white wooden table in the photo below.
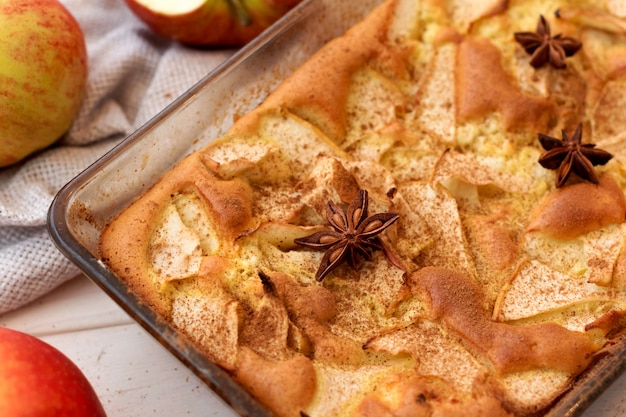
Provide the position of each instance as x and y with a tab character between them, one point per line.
133	374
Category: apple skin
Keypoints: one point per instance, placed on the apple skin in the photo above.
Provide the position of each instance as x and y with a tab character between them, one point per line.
43	73
37	380
214	22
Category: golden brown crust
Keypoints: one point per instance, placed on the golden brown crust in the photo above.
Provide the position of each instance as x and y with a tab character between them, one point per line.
466	13
458	301
128	254
304	302
483	87
495	243
426	397
311	307
286	387
572	211
319	92
340	180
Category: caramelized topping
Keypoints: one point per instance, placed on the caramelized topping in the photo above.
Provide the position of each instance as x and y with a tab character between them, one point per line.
458	302
569	155
561	215
483	86
545	48
353	232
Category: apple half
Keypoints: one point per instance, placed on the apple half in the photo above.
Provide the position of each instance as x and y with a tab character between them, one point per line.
210	22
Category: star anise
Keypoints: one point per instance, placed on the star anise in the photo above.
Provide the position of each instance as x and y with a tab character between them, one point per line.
353	233
570	154
545	48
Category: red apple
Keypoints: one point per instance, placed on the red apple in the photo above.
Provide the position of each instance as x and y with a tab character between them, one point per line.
37	380
210	22
43	72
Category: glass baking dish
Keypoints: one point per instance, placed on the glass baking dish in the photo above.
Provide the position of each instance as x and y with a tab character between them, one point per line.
205	112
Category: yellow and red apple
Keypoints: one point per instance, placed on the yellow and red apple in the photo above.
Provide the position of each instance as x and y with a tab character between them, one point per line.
37	380
210	22
43	72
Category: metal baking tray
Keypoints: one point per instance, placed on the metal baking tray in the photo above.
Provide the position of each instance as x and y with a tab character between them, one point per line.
205	112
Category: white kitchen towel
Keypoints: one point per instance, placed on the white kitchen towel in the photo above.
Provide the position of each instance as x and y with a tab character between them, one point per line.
133	74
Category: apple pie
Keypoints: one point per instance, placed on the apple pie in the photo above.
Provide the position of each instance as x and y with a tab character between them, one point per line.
425	219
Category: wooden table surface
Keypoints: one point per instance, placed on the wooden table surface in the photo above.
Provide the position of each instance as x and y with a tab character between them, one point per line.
133	374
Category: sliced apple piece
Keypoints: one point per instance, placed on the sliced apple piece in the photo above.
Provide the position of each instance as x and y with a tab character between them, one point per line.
366	304
348	383
437	106
449	249
212	323
266	329
434	351
529	397
175	249
593	17
329	180
467	12
608	122
373	102
473	170
602	249
536	288
606	52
